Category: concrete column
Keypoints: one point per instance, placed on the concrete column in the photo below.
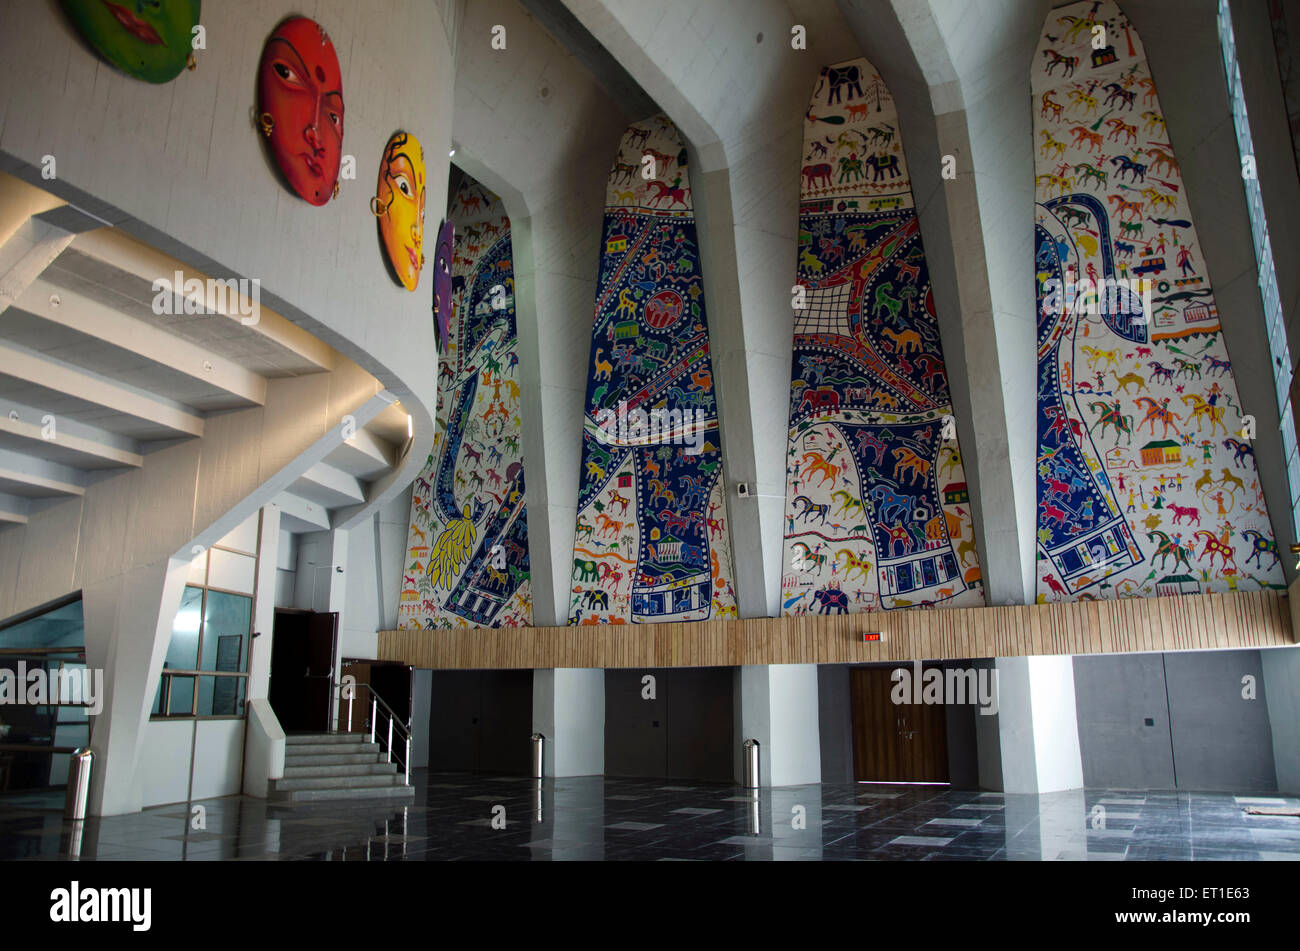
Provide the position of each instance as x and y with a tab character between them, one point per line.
1038	725
569	710
320	585
1282	694
268	555
778	707
128	621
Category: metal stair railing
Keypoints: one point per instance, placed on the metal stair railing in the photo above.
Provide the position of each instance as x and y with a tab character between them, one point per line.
347	692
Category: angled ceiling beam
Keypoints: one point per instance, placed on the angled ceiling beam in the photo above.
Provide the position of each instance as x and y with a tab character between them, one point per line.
102	322
27	476
118	250
14	509
68	435
40	370
297	513
26	255
334	482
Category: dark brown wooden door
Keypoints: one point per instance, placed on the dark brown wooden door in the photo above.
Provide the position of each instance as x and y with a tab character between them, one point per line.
902	742
302	670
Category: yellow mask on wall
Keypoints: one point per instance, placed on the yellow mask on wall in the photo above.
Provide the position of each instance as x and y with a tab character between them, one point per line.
399	206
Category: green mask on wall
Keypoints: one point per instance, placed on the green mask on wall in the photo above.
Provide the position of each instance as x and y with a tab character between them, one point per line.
147	39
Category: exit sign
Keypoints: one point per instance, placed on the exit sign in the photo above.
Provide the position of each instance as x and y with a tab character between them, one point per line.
872	636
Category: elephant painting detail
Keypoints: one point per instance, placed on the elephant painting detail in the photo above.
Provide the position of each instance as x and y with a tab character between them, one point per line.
830	598
842	79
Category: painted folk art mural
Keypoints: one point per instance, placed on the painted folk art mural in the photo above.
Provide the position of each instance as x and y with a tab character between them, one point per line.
651	542
877	515
467	553
1146	483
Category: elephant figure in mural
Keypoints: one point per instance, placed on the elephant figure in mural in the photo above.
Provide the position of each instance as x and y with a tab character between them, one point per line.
830	598
597	599
882	163
584	570
843	78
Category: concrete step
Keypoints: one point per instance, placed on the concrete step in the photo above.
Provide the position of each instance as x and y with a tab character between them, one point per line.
332	759
336	782
321	795
315	739
350	769
329	749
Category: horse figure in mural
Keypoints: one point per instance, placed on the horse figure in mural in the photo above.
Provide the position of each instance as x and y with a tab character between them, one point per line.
1217	545
1111	416
815	462
1260	545
810	508
1240	450
853	564
1167	548
1202	409
1158	413
805	559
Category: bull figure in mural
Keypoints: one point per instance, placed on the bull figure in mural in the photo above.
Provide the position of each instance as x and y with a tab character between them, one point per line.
830	598
842	78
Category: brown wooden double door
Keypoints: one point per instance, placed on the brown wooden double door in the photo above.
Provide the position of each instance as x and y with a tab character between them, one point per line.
905	742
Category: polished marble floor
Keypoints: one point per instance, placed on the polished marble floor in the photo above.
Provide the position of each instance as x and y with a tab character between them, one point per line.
461	817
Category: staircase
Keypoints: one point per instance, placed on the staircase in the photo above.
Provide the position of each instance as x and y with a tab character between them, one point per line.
325	766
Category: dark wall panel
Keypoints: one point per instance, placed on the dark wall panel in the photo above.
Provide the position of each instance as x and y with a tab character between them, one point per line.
1114	696
1203	733
685	732
1221	739
835	723
480	721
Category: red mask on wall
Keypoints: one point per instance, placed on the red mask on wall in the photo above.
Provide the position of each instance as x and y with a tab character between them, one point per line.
300	105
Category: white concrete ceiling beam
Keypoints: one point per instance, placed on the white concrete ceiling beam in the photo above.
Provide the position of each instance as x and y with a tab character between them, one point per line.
118	250
30	477
327	485
39	370
298	515
113	327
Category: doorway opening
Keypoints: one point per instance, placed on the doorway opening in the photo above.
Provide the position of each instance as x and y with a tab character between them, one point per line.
895	742
302	670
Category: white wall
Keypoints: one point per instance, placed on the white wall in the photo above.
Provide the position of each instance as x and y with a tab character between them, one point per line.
569	710
1038	725
778	707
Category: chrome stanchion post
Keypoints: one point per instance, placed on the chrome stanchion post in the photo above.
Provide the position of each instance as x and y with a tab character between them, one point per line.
374	715
751	764
407	759
79	766
539	755
390	738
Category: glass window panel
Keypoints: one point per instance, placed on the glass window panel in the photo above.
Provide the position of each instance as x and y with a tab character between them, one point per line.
226	625
60	627
221	696
182	698
183	649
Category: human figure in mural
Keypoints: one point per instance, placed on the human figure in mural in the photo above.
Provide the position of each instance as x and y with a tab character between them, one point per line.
875	491
1161	328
